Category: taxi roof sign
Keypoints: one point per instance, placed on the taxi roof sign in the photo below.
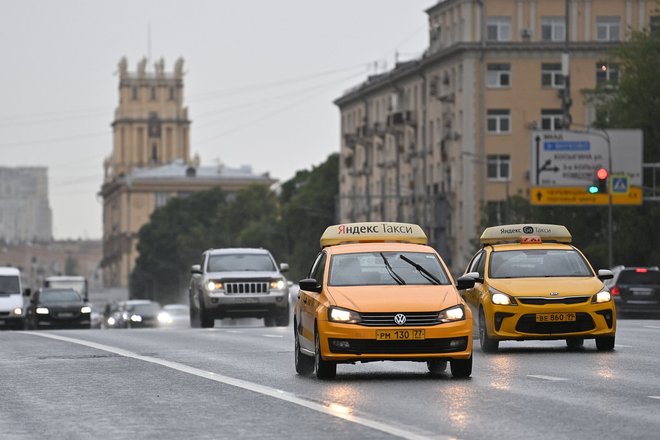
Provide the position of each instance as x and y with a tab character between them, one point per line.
516	233
373	232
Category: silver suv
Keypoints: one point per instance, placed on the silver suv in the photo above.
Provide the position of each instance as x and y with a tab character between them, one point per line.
238	283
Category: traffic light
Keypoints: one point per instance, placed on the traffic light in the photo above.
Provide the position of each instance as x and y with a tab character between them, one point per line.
600	182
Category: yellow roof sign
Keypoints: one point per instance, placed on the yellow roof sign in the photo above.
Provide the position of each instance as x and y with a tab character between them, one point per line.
373	232
512	233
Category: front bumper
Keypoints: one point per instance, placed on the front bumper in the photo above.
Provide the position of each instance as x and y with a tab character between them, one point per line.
222	305
519	322
357	343
60	323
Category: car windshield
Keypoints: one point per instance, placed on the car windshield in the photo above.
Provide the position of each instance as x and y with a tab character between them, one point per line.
634	277
532	263
9	284
239	262
64	295
386	269
144	308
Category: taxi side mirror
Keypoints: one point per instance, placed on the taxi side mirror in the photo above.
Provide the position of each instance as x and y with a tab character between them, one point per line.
464	282
195	269
310	284
605	274
475	276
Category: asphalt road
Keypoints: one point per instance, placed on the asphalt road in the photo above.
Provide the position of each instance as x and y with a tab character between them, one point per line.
238	381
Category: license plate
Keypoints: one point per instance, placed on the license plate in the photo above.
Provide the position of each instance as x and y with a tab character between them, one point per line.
245	300
65	315
641	292
400	335
555	317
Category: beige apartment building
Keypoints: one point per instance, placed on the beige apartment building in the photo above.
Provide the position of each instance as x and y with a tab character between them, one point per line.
438	139
150	163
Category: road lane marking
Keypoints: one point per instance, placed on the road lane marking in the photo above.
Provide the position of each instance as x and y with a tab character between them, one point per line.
624	346
273	336
654	397
652	326
233	331
540	376
328	409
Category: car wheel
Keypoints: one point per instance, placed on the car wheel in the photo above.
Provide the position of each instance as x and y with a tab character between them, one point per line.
324	369
487	344
283	319
461	368
605	343
194	316
574	343
269	321
304	364
436	366
205	320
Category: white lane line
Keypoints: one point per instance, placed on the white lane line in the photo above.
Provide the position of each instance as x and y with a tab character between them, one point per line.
233	331
540	376
331	409
624	346
652	326
273	336
654	397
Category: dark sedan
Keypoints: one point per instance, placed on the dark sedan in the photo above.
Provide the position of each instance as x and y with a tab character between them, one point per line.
57	308
141	314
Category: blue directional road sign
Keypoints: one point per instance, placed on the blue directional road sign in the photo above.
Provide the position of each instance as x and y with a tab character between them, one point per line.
620	183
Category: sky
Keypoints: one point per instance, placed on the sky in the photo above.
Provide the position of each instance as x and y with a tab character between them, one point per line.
260	80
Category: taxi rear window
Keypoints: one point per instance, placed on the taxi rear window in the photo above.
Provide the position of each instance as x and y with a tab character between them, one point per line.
533	263
385	269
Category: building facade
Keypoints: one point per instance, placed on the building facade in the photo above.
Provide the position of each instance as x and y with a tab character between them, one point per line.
25	213
440	139
150	163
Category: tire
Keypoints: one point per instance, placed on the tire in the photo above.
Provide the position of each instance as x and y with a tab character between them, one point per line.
436	366
487	344
194	316
605	343
574	343
269	321
304	364
205	321
461	368
324	369
282	319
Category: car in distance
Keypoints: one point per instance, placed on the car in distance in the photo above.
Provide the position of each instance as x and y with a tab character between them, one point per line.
378	292
139	313
531	283
53	307
174	315
636	289
12	310
238	283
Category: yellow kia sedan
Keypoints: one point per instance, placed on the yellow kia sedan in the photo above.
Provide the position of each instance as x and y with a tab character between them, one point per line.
531	283
377	292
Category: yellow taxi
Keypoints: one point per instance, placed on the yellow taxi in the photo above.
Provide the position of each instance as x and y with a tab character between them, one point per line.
531	283
377	292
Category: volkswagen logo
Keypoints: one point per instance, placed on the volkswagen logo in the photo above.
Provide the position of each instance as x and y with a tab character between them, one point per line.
528	230
399	319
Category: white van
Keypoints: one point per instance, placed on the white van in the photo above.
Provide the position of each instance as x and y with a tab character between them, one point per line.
12	311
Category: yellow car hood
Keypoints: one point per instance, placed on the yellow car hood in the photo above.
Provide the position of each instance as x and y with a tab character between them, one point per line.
394	298
568	286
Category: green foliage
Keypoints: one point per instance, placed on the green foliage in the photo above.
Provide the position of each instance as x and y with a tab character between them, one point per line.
289	225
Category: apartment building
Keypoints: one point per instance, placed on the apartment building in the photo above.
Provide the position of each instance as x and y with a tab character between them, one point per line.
25	213
151	163
438	139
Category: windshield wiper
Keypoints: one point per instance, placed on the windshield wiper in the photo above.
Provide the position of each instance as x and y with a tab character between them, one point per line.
393	274
428	275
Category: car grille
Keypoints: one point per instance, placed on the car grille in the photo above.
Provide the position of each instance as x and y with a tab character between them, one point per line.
238	288
387	319
426	346
527	324
560	300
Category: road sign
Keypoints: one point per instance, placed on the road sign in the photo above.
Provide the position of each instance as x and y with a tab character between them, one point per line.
580	196
620	184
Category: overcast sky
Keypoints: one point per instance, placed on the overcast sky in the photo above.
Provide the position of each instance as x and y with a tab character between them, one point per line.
260	78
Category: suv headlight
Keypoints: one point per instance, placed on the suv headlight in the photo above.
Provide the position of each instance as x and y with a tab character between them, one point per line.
501	299
278	284
214	285
451	314
337	314
17	311
601	297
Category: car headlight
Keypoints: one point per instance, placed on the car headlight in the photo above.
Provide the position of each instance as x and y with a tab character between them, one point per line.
502	299
111	321
136	318
336	314
455	313
602	297
17	311
214	285
42	310
85	309
164	318
277	284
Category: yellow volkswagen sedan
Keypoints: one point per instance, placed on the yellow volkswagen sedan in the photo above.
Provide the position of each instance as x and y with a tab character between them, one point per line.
377	292
531	283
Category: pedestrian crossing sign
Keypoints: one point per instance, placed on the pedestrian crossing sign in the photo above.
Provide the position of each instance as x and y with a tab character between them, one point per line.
620	184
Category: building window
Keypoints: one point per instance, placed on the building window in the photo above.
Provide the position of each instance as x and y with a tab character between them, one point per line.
654	24
499	28
607	73
499	167
161	199
135	94
499	121
553	28
499	75
608	28
153	93
551	119
551	75
172	94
